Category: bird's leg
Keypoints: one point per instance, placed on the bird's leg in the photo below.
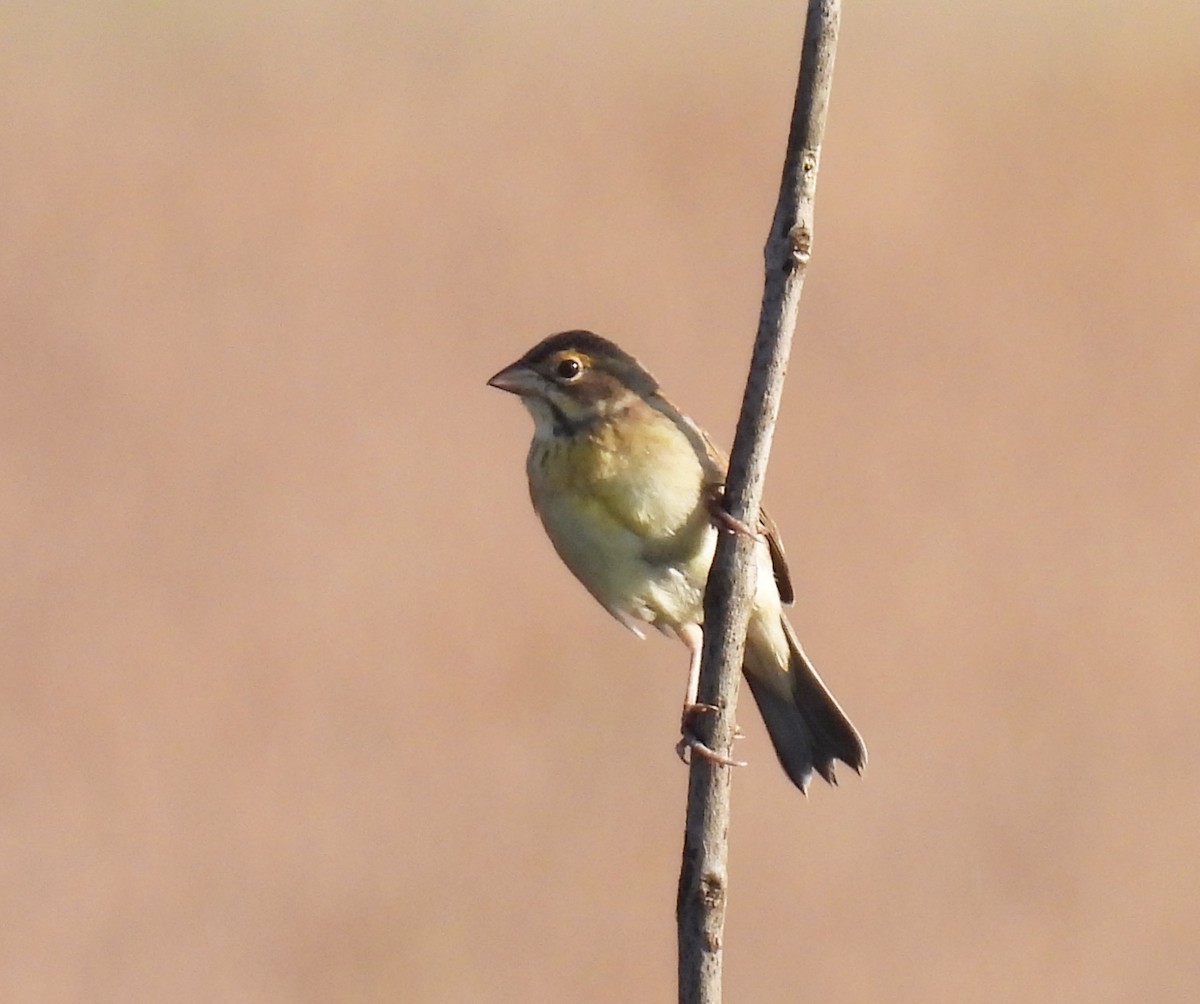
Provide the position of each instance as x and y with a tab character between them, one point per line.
723	519
693	638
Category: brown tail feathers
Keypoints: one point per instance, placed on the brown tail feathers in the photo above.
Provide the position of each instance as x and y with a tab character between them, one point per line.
809	731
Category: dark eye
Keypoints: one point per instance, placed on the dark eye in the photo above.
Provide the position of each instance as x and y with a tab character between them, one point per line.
568	369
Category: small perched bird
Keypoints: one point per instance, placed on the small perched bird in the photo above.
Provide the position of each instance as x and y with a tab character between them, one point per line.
629	490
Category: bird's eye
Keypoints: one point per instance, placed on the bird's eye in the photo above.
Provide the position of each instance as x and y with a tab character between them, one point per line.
569	368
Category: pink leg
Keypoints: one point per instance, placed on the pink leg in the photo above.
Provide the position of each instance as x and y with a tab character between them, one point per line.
693	638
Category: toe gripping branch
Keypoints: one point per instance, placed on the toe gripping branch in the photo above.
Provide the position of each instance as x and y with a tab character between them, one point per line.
722	519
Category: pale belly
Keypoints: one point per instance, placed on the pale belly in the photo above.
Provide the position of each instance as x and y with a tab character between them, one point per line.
613	563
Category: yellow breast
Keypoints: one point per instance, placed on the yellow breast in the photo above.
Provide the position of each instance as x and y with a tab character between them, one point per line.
645	476
623	507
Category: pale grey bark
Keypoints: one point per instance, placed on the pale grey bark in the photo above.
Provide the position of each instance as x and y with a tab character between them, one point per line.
703	887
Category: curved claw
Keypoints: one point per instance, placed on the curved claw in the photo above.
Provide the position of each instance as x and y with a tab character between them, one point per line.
723	520
689	743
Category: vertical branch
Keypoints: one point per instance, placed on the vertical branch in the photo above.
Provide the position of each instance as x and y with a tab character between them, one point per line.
700	908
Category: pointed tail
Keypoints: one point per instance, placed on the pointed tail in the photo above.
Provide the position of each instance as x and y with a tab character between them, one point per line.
808	728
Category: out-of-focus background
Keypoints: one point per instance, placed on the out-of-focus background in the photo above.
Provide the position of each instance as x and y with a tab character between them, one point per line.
297	702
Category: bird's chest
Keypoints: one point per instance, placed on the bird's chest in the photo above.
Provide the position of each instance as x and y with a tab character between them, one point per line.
646	481
627	517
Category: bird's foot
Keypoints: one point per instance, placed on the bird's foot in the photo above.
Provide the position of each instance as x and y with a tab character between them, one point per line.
690	744
724	520
691	712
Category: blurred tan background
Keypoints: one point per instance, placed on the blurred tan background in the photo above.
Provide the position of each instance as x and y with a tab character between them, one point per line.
298	704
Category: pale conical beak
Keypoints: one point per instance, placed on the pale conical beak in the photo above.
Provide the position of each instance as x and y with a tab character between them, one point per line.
516	379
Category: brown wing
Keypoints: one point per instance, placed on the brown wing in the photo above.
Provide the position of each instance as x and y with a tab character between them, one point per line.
783	578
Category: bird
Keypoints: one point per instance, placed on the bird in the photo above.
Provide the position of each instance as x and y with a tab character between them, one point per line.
630	492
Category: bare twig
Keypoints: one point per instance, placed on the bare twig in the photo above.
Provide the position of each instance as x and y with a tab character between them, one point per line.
700	908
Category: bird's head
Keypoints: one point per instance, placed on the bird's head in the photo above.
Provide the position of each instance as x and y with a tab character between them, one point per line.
571	380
